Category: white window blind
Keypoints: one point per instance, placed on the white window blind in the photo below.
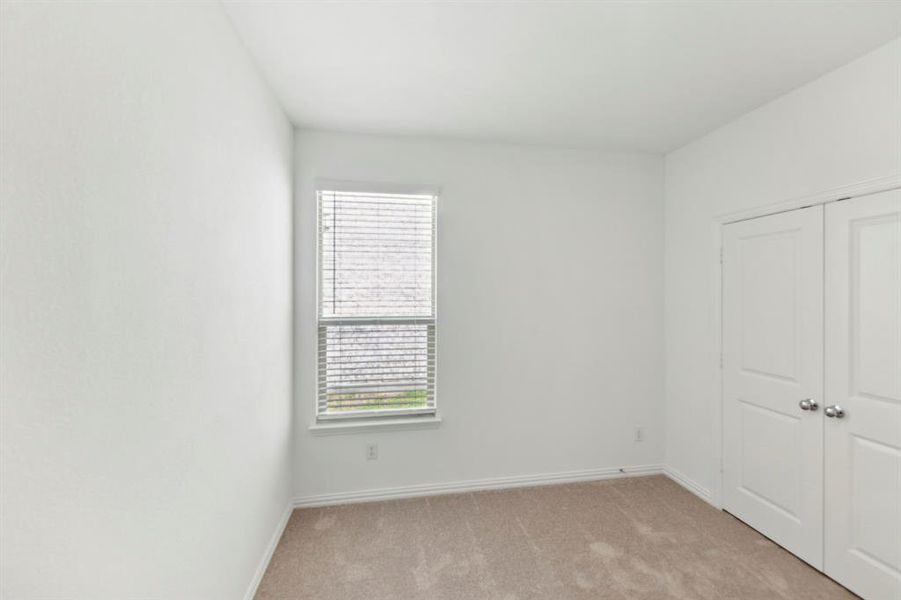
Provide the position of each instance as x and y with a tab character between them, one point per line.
376	353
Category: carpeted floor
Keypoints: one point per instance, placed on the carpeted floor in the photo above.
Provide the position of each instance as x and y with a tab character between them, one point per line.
623	539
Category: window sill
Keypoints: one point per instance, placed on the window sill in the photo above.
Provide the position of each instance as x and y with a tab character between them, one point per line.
374	424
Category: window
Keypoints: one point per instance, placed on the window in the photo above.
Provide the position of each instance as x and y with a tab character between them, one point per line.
376	353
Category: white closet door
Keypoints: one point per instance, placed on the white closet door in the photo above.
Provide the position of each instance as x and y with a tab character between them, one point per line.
773	377
863	377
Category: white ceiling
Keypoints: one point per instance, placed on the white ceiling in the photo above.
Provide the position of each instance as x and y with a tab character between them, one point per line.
647	76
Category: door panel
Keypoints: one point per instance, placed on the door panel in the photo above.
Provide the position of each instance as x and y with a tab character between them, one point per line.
764	472
772	360
863	376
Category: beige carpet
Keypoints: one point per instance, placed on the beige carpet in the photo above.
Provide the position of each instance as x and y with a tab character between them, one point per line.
642	537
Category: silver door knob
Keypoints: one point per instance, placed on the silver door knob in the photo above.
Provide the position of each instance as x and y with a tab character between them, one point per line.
834	412
808	404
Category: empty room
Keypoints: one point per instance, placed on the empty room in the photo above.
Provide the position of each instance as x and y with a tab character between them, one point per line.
450	300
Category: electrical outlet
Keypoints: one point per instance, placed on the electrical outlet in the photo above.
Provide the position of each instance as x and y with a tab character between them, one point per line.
639	434
372	451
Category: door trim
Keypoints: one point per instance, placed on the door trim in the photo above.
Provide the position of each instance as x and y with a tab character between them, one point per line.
854	190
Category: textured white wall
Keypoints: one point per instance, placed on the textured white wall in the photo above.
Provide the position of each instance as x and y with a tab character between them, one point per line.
841	129
146	214
550	308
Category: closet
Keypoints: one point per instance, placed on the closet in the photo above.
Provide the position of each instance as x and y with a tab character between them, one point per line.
811	339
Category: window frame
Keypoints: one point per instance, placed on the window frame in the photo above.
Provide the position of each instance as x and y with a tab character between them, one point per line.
395	418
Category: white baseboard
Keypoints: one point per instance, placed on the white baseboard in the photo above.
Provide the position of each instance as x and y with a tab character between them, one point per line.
689	484
495	483
267	555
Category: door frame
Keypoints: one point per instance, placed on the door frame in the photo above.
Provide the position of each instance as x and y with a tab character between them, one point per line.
846	192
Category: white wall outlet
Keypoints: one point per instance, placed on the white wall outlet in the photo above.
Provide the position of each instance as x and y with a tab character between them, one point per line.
372	451
639	434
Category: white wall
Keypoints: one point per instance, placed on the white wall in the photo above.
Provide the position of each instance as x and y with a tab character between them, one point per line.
842	129
146	209
549	312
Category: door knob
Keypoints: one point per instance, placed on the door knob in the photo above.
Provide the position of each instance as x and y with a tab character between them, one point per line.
835	411
808	404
